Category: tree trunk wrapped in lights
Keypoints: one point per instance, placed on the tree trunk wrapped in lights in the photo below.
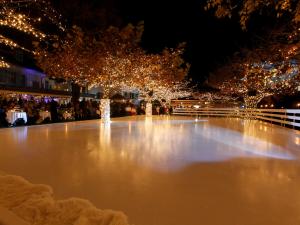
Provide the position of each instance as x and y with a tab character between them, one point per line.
105	111
148	109
164	93
251	102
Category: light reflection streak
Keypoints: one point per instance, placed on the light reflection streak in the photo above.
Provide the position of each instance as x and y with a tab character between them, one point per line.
297	141
47	133
20	134
168	144
105	135
241	144
208	143
66	130
129	127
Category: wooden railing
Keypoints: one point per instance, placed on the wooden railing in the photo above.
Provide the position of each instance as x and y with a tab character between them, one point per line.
284	117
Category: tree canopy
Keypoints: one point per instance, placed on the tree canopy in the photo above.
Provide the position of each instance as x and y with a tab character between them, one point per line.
246	8
112	58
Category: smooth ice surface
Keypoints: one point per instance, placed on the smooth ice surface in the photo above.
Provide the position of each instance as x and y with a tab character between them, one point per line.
168	171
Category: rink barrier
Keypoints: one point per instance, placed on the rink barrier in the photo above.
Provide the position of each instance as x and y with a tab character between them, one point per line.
284	117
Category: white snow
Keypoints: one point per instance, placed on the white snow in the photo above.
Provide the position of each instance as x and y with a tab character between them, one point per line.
9	218
24	203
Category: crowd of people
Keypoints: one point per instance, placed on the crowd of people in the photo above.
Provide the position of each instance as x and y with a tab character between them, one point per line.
39	111
119	109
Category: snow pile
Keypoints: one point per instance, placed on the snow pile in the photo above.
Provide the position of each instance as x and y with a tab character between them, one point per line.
35	205
8	218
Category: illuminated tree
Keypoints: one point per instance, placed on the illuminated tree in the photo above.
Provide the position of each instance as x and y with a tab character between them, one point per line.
160	76
3	64
271	68
163	93
112	59
65	58
179	89
246	8
18	16
212	98
261	79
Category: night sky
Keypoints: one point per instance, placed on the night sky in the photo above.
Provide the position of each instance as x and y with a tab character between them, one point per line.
210	41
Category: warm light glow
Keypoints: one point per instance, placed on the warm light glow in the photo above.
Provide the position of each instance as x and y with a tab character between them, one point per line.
148	109
3	64
105	111
297	141
20	22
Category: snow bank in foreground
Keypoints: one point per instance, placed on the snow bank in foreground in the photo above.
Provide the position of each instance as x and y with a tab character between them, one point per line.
35	205
8	218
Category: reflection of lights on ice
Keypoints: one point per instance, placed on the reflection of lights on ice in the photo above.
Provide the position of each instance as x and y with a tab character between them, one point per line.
148	121
149	109
21	135
105	134
297	141
105	110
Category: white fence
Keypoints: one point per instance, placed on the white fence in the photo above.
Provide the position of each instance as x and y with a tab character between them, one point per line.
284	117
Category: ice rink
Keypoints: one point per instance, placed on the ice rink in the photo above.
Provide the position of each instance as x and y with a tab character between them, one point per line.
166	170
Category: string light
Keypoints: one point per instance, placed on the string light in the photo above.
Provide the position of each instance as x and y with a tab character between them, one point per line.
11	43
20	22
116	61
265	79
43	6
12	16
3	64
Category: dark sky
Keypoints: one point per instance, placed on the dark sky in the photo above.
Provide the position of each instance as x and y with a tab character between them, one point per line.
210	41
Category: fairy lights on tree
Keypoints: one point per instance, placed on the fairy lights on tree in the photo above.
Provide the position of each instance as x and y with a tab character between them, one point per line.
160	76
43	10
19	16
9	18
3	64
246	8
11	43
26	24
112	59
272	67
264	78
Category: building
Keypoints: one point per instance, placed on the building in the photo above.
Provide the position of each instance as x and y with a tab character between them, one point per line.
17	80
